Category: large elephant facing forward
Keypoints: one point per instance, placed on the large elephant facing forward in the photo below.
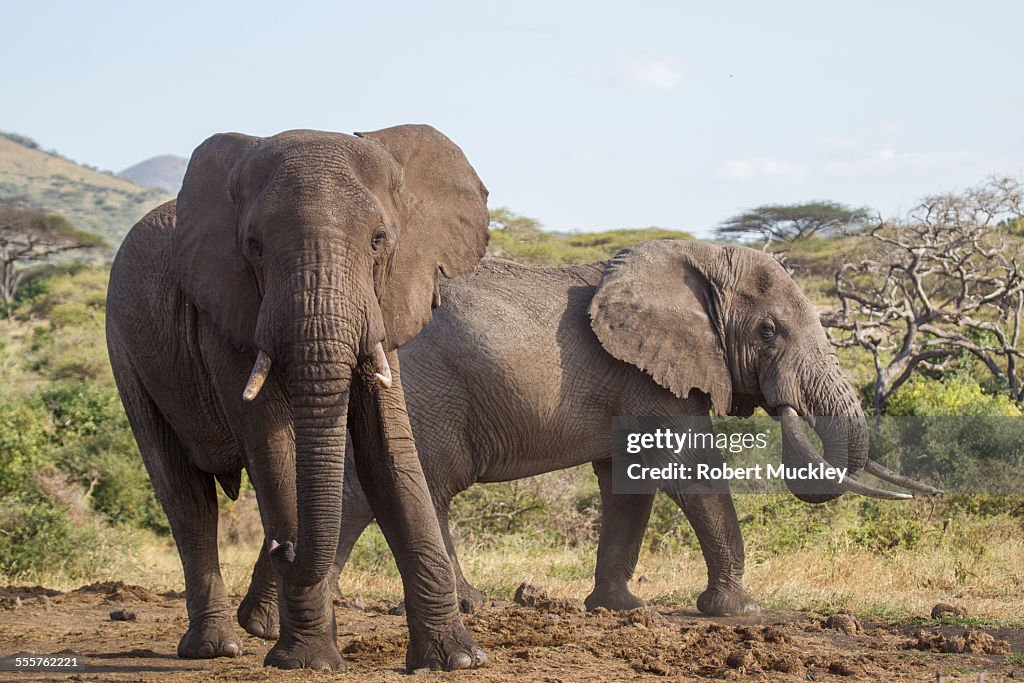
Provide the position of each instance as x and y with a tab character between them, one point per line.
522	369
253	320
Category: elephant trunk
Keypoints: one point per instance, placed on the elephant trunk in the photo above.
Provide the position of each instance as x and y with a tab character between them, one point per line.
832	408
837	418
319	352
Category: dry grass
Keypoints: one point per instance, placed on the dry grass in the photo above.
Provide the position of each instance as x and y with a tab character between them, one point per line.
977	565
904	584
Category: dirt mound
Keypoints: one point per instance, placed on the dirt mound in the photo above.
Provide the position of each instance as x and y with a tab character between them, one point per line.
650	643
845	622
538	598
117	591
943	609
518	627
970	641
12	597
730	652
375	644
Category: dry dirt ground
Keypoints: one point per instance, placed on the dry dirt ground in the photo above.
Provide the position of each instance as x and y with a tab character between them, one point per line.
550	640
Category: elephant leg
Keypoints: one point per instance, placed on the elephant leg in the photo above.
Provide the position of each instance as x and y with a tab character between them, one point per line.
189	499
392	478
470	599
257	613
623	522
713	518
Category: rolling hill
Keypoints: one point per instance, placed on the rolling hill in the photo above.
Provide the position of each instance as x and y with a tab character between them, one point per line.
92	200
164	172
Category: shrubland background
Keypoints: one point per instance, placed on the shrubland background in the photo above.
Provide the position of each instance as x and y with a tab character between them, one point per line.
76	505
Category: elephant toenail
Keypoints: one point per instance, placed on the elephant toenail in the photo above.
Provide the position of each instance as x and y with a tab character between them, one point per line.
232	650
460	660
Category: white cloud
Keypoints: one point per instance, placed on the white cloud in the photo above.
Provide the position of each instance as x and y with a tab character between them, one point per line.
761	168
657	73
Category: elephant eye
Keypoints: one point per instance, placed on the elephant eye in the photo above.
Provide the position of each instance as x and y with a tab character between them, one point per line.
767	329
254	246
379	238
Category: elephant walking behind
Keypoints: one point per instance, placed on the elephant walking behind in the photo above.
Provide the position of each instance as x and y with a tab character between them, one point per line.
522	369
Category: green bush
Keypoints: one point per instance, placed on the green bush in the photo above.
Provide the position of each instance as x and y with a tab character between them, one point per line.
24	444
960	395
94	444
955	435
40	536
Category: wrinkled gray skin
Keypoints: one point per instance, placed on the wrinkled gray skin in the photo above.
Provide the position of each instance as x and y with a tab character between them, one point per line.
313	249
522	369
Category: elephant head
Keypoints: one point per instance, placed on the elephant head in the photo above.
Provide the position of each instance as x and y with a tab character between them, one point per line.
731	323
319	251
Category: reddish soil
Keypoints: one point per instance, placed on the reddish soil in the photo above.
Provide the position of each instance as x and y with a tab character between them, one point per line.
552	641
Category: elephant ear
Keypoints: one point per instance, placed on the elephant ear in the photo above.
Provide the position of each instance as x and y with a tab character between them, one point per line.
209	264
657	308
443	226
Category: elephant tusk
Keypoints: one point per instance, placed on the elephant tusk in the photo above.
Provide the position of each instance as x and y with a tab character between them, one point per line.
885	474
380	365
849	485
260	370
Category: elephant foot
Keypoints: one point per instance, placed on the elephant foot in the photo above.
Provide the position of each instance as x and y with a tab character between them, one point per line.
258	616
448	649
209	638
470	599
613	599
302	652
727	602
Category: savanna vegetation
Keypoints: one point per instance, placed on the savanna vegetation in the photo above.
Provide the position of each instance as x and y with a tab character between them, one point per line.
76	505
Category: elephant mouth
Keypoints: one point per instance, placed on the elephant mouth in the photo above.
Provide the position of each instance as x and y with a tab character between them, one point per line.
261	370
795	441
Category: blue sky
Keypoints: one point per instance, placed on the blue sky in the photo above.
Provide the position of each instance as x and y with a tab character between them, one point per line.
586	115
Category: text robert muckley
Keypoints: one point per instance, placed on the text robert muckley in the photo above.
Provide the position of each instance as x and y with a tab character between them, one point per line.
707	472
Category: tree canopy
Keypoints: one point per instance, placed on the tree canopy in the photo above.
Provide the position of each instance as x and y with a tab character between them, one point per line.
28	236
791	222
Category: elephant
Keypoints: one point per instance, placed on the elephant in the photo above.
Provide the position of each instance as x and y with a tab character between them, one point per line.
255	318
522	369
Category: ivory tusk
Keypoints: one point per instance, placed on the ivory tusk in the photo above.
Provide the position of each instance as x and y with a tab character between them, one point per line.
849	485
380	365
885	474
260	370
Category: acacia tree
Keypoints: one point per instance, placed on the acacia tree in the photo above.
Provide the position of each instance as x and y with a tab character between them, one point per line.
30	236
942	282
792	222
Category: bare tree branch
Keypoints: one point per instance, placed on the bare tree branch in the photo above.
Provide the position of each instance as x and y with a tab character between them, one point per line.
943	283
